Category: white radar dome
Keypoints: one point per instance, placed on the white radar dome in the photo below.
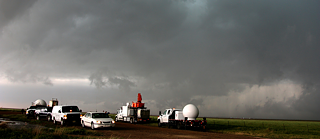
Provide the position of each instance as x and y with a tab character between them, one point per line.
40	102
191	111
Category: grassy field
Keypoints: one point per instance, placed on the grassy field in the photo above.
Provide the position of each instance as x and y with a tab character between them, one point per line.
262	128
11	109
266	128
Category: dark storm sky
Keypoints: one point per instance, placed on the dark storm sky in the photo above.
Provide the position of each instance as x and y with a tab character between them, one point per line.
230	58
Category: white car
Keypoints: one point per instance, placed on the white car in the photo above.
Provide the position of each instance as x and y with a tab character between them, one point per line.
97	120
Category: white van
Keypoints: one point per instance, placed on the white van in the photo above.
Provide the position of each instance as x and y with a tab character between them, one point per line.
66	114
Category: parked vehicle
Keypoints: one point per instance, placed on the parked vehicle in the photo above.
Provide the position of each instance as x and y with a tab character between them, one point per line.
39	109
43	113
133	113
182	118
97	120
30	112
46	112
66	114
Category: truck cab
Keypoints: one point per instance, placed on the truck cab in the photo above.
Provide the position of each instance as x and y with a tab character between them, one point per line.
170	115
30	113
66	114
43	113
164	117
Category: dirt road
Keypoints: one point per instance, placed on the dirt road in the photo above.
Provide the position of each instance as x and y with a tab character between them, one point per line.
127	130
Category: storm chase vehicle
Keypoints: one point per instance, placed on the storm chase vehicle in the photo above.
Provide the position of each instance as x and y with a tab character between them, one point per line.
43	113
66	114
38	104
39	109
31	111
136	112
97	120
182	118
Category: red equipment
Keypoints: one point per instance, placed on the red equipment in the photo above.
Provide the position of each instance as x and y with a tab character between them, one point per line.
138	104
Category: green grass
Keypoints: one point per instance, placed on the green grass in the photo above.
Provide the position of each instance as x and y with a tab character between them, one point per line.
265	128
11	109
261	128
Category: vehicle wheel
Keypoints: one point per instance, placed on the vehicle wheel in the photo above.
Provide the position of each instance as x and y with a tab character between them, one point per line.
131	121
92	126
179	125
38	117
159	124
83	124
49	118
62	122
54	121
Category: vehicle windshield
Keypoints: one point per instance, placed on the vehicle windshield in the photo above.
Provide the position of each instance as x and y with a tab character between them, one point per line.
70	109
33	107
100	115
49	109
37	107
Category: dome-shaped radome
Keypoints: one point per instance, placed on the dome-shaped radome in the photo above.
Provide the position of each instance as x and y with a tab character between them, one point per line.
191	111
40	102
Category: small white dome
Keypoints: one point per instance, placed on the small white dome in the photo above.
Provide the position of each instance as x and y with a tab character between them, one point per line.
40	102
191	111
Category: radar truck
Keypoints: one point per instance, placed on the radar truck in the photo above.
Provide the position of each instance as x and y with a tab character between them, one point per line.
182	118
136	112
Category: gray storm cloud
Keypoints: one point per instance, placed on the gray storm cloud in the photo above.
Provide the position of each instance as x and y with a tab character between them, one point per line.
174	52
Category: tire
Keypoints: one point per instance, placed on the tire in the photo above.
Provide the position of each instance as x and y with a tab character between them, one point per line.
54	121
159	124
92	126
38	117
83	124
179	125
62	122
204	128
49	118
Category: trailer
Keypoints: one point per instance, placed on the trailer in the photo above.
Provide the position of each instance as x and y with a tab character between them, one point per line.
134	113
182	119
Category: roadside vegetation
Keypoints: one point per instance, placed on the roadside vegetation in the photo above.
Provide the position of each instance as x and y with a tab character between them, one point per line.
47	131
261	128
266	128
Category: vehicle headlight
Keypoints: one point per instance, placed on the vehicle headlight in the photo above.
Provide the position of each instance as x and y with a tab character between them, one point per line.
27	112
80	115
113	122
65	116
99	122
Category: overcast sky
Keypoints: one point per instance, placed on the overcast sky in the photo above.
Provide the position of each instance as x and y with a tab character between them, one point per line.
258	59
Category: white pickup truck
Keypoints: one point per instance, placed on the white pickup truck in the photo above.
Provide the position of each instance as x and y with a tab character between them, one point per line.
174	117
